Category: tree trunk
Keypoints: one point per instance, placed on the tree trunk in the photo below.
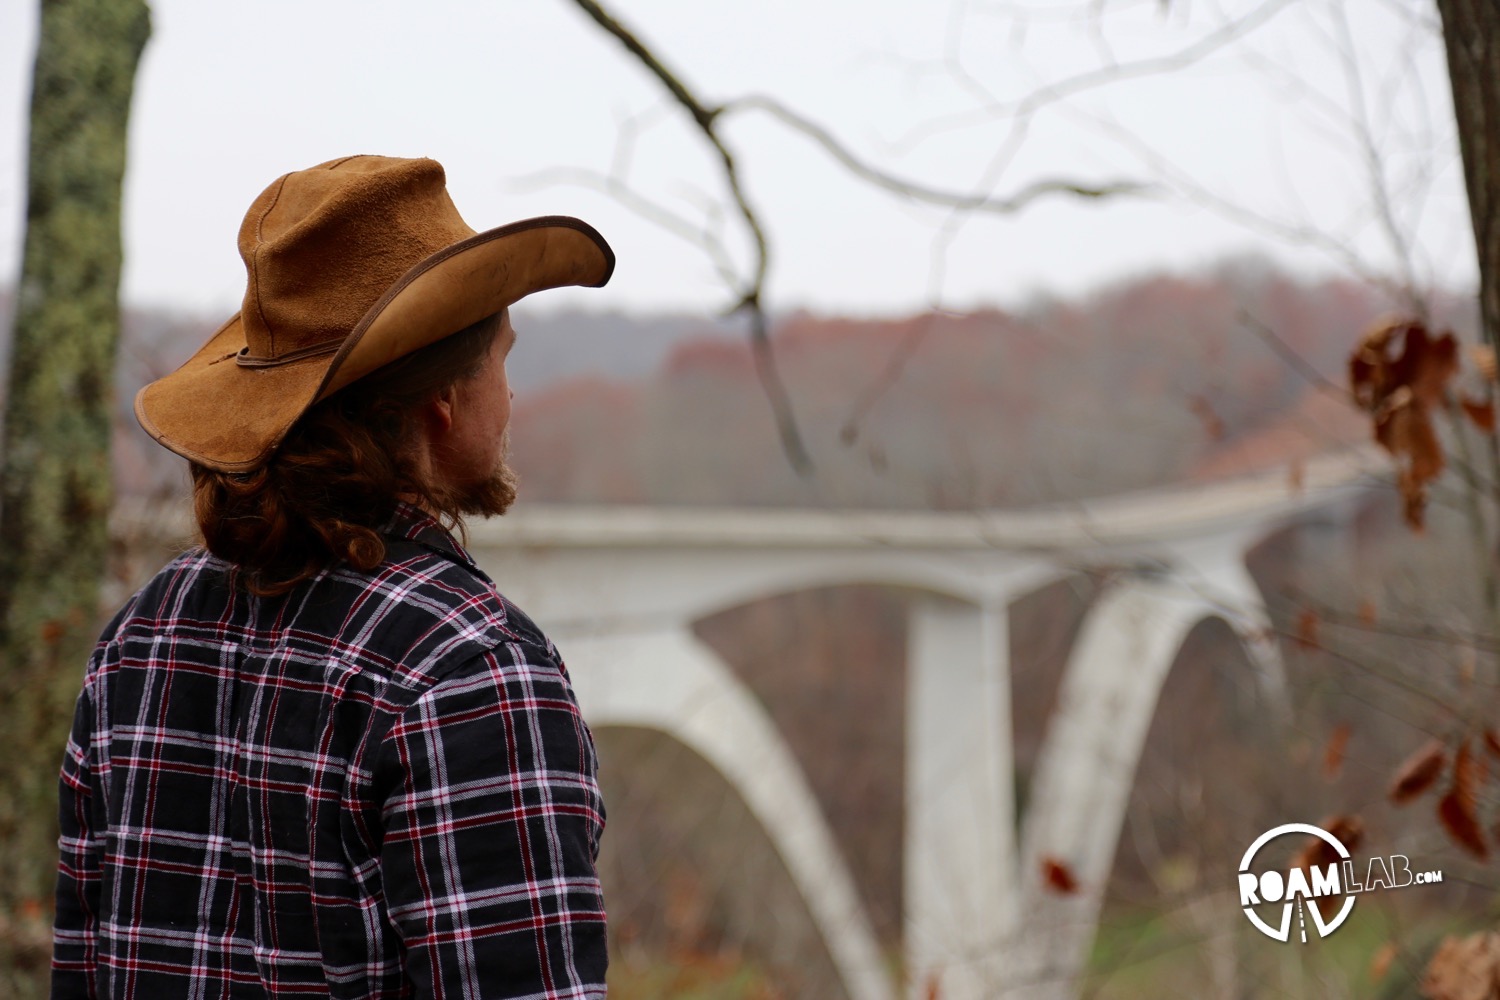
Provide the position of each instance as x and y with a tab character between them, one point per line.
54	475
1471	31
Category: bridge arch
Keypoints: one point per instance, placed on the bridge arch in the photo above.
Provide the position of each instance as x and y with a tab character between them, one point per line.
1087	766
964	935
669	681
686	865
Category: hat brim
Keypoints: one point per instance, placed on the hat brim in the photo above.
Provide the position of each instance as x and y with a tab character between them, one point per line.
232	417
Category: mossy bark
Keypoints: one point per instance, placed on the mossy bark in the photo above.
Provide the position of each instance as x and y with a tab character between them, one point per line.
54	468
1471	32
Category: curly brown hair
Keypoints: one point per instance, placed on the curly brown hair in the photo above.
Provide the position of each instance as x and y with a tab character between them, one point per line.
339	474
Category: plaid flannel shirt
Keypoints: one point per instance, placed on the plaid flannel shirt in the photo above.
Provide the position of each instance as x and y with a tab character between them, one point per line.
378	785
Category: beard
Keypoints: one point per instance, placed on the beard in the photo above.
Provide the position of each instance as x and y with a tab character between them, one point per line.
489	496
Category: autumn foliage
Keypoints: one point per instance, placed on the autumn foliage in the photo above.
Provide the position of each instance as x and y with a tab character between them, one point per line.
1335	750
1418	772
1458	809
1464	968
1318	853
1058	877
1399	375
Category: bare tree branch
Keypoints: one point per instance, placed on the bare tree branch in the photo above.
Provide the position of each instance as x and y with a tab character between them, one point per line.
1292	359
751	291
979	199
1107	75
702	114
976	201
1291	233
701	236
1374	164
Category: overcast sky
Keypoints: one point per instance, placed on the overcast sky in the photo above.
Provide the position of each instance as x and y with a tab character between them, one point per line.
232	95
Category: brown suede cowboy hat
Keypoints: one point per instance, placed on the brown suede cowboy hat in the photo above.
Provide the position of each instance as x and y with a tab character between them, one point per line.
352	264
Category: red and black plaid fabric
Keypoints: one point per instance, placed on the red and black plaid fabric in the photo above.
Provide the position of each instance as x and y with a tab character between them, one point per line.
378	785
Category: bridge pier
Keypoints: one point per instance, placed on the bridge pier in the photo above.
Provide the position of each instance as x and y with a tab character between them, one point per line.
960	899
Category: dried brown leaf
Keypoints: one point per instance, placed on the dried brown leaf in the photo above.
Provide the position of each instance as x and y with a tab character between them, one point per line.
1458	811
1346	828
1434	362
1483	356
1307	629
1408	434
1492	742
1399	353
1380	962
1462	824
1417	773
1058	877
1397	374
1469	772
1369	366
1481	412
1334	749
1213	424
1404	429
1413	505
1464	969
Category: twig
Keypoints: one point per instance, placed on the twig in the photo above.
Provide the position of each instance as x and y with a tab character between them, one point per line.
1024	108
977	201
749	292
1374	166
651	211
888	377
1291	358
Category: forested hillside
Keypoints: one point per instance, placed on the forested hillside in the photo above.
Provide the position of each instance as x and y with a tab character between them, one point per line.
1152	382
1149	382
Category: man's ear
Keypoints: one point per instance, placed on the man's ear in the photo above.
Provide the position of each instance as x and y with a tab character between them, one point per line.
439	410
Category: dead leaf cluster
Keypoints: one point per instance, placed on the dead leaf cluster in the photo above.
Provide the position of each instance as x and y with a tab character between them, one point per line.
1318	853
1399	374
1465	968
1458	809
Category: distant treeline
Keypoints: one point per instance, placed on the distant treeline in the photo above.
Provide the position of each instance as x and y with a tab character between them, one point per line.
1151	382
1145	383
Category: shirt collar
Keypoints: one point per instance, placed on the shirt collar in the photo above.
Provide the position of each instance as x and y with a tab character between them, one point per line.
415	524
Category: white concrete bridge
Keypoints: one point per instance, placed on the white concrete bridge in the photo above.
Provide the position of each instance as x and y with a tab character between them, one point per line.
619	590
